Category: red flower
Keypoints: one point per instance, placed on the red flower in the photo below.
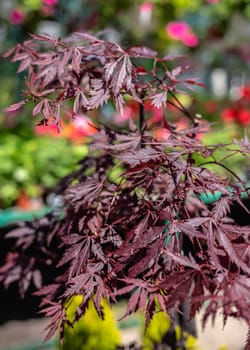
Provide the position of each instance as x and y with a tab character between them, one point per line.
47	130
210	106
17	16
243	116
245	91
237	115
228	115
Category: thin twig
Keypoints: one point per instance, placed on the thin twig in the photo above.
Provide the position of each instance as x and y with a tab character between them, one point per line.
141	117
223	166
183	109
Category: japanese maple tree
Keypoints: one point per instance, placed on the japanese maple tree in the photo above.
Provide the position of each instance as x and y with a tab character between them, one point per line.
133	222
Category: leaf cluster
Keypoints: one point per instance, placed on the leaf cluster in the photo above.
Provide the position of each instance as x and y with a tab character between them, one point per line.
89	72
145	233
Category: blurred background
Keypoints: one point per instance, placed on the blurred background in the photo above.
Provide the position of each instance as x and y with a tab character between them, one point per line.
214	34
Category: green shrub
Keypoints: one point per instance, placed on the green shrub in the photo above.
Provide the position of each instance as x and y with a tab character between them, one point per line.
91	332
158	327
29	164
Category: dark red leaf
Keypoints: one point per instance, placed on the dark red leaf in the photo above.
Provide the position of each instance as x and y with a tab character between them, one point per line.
15	106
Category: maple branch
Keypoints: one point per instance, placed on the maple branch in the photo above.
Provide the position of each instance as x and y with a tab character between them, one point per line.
229	155
141	117
183	109
223	166
122	199
176	106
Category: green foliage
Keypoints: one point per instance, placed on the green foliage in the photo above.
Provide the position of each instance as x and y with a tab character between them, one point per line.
115	174
158	327
91	332
32	4
30	164
235	162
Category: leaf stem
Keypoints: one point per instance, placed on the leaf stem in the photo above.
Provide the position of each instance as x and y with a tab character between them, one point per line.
141	117
183	109
223	166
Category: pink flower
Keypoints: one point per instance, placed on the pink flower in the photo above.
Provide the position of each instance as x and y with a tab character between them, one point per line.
179	30
50	2
212	1
82	124
16	16
80	128
123	118
191	40
146	7
162	134
145	14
